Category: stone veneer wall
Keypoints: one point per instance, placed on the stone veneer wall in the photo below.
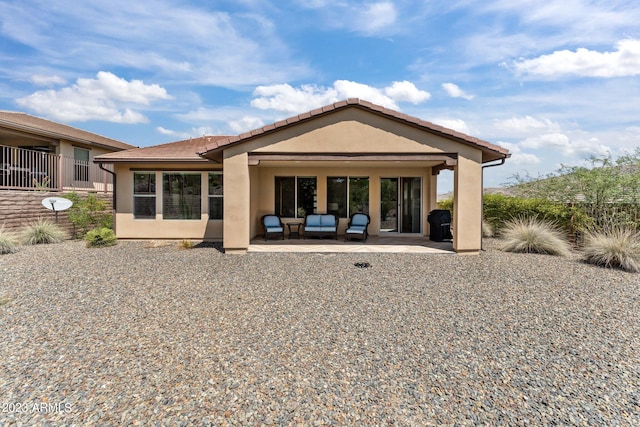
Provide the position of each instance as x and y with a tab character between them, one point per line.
18	208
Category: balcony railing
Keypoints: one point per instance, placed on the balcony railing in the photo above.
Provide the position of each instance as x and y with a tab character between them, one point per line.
24	169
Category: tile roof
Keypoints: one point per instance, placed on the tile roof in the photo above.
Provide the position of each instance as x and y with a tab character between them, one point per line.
179	151
492	151
39	126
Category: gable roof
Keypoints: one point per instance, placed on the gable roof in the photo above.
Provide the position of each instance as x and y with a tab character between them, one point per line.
490	151
179	151
38	126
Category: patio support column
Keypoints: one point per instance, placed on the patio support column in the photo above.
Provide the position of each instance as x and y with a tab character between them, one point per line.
433	193
236	203
467	204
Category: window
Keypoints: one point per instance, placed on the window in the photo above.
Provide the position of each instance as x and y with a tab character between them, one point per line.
337	196
144	195
80	164
181	195
358	195
347	195
296	196
215	195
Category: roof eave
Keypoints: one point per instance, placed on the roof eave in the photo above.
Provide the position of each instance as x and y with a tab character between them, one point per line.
152	160
56	135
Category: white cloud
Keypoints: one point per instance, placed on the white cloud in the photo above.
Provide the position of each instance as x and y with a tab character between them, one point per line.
228	121
376	16
562	143
183	42
518	157
348	89
515	127
454	91
455	124
107	97
246	124
193	133
43	80
406	91
165	131
364	17
624	61
283	97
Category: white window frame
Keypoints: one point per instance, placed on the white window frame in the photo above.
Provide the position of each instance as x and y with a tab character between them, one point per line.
210	196
154	196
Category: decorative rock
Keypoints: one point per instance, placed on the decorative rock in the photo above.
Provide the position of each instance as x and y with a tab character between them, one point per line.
138	335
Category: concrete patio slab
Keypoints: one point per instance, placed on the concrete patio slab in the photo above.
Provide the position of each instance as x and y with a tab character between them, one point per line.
374	244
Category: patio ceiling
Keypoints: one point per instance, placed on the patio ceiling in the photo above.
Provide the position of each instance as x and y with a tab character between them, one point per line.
353	159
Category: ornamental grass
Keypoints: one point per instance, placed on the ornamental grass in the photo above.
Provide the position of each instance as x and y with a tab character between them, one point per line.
530	235
615	248
8	242
42	231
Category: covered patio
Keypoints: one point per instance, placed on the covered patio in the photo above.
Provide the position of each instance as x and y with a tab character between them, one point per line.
345	158
374	244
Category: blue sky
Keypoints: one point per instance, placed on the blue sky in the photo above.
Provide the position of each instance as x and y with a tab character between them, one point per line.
554	81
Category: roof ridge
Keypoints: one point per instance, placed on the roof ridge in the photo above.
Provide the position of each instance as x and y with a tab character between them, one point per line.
355	102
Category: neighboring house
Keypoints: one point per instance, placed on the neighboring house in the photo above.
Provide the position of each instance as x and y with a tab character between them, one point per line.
351	156
40	154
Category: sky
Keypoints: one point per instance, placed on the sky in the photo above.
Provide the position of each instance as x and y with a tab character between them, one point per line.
554	81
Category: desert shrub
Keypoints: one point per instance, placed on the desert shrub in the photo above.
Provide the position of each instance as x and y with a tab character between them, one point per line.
446	204
88	213
614	248
500	209
605	189
100	237
531	235
42	231
8	242
157	244
186	244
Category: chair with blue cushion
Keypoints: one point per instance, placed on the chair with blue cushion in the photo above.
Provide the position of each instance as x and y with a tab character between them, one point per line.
273	226
358	227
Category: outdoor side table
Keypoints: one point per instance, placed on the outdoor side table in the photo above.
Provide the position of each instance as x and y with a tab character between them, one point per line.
294	229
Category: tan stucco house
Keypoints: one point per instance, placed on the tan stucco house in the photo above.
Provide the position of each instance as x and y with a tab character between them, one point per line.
37	153
342	158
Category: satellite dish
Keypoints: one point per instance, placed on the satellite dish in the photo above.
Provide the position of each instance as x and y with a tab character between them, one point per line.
56	204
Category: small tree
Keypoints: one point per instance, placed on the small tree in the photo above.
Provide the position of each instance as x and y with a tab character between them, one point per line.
88	213
597	189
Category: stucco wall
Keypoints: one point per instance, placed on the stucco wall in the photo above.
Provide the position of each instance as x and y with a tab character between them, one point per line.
351	131
66	149
249	189
266	185
129	228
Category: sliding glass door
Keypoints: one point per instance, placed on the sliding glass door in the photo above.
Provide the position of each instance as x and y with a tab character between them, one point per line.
400	205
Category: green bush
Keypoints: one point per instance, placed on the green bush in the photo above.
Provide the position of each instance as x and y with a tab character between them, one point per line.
8	242
499	209
88	213
100	237
615	248
530	235
446	204
43	231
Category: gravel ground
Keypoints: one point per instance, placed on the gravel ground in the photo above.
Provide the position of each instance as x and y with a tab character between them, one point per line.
132	335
